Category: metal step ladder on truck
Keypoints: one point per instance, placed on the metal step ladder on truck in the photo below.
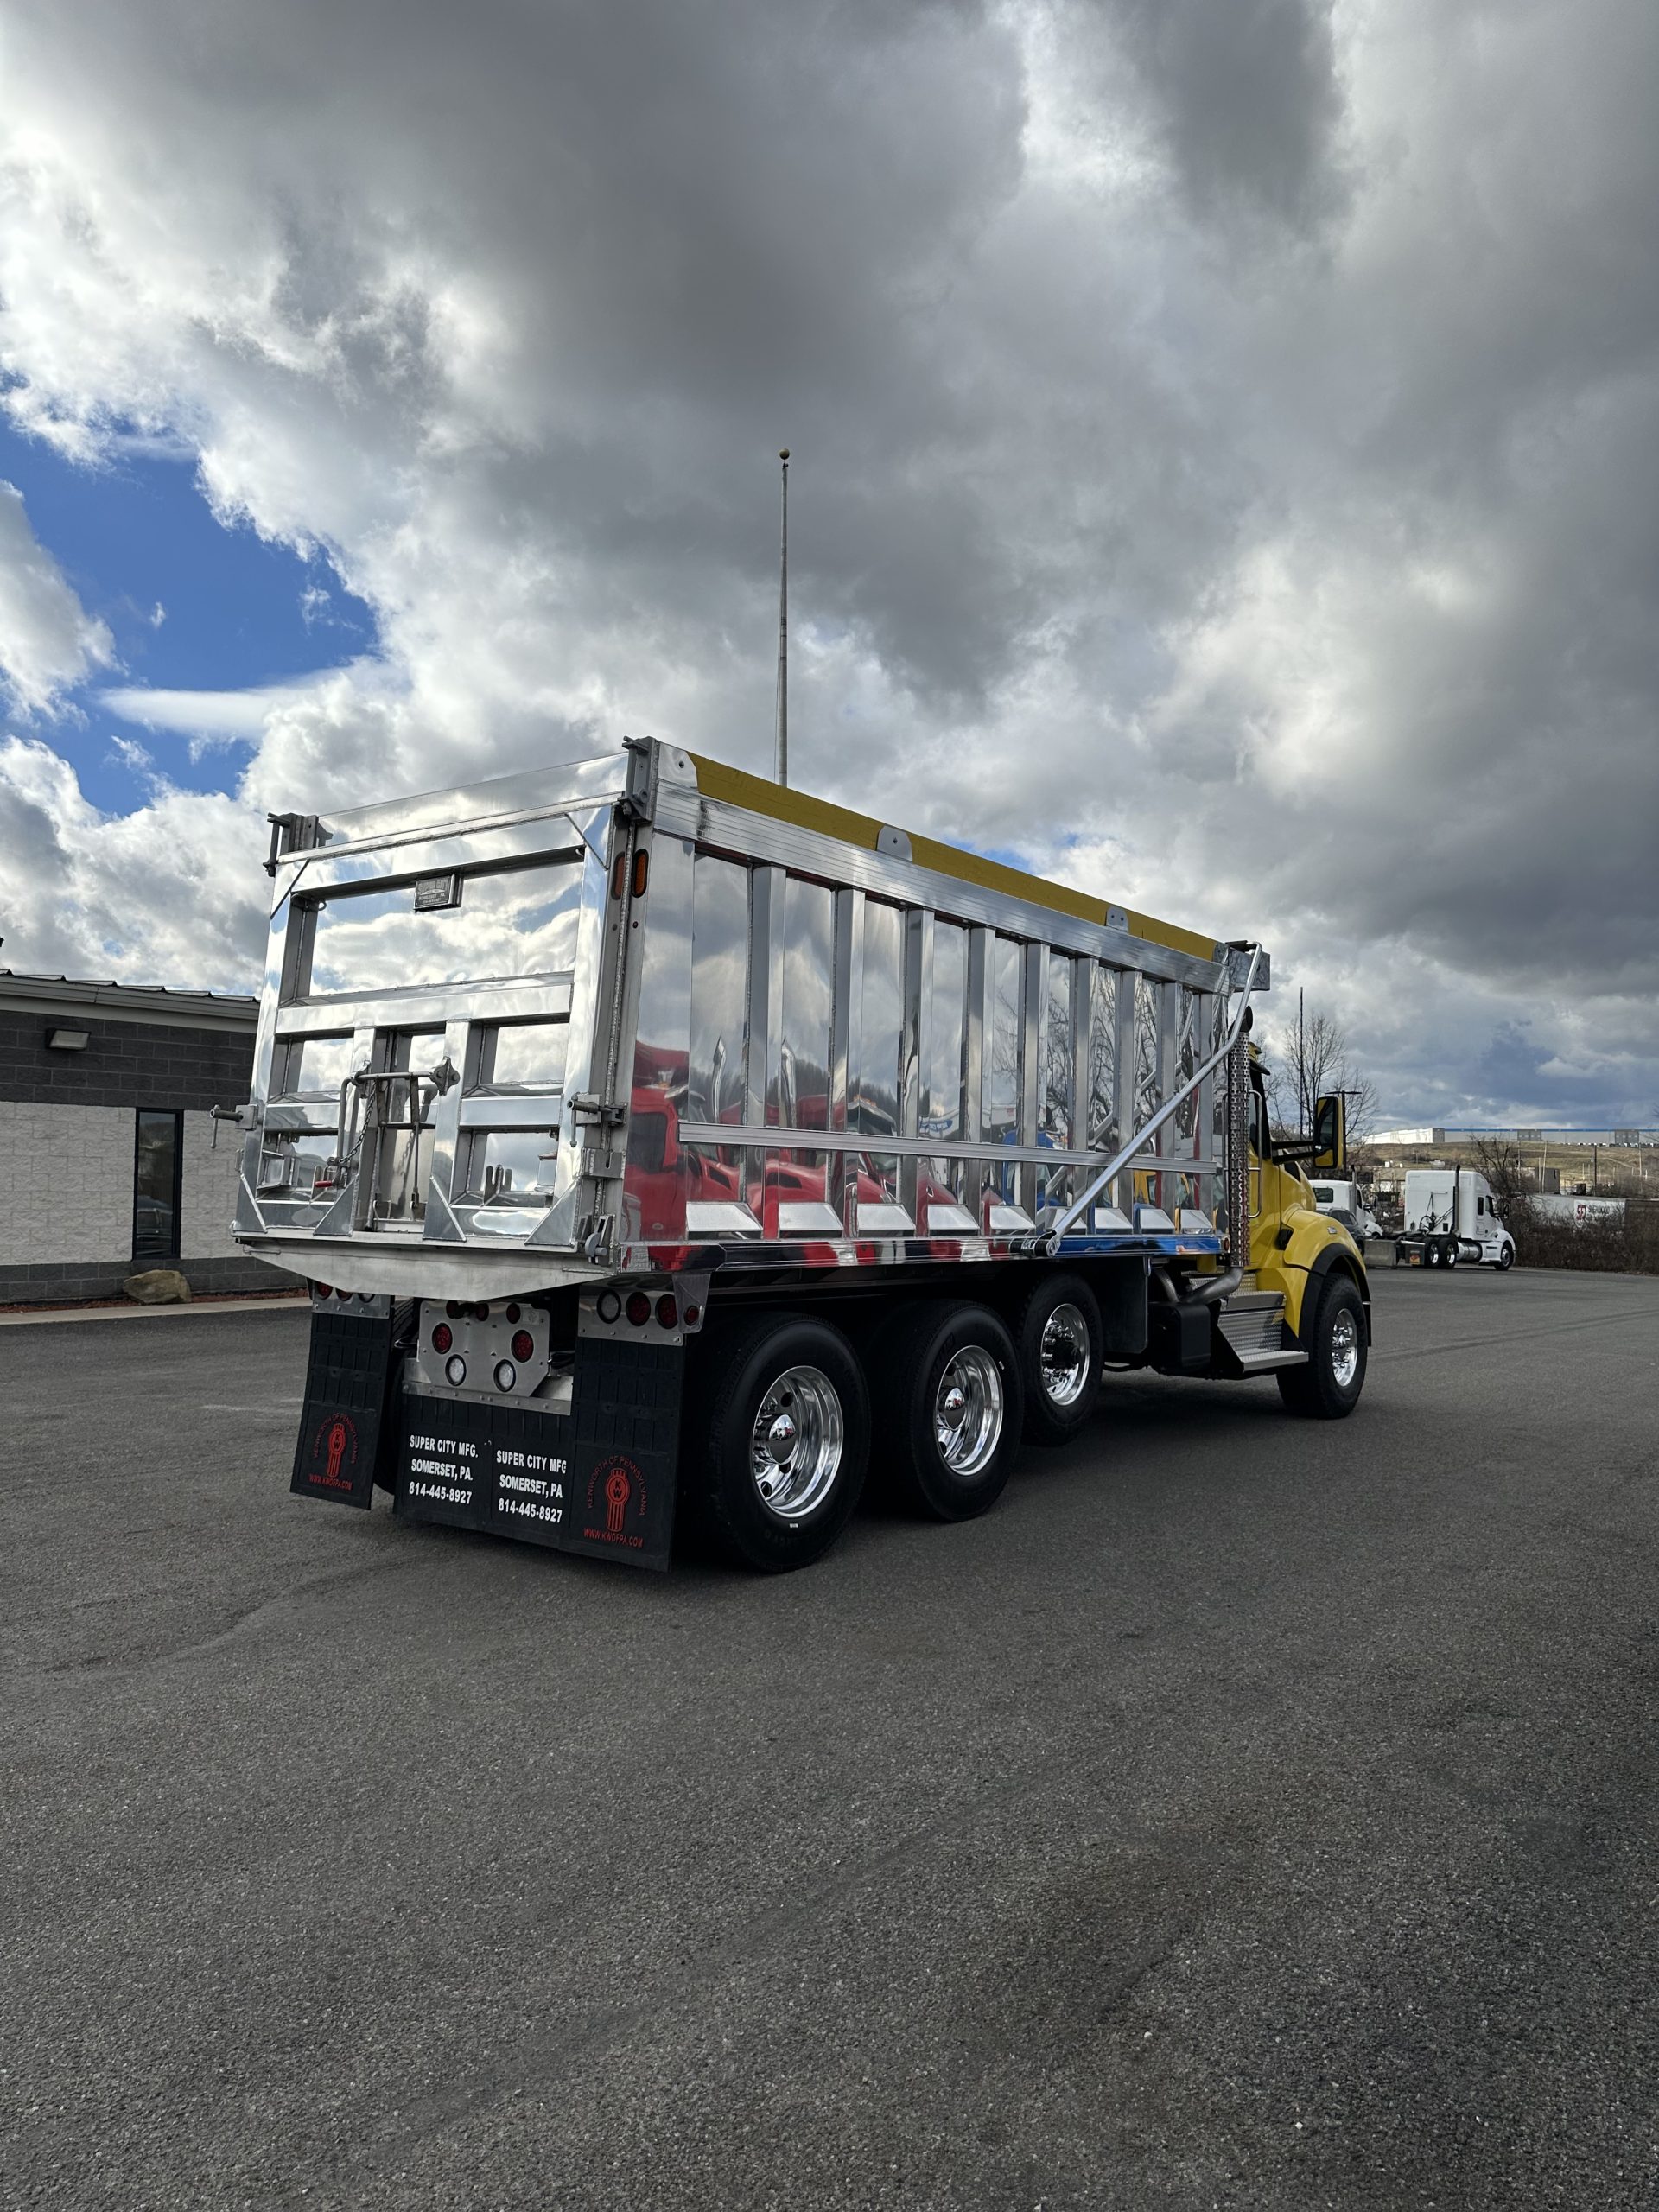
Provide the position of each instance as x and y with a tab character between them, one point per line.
1451	1220
664	1145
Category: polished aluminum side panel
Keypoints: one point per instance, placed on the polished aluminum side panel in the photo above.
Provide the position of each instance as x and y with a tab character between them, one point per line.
788	1045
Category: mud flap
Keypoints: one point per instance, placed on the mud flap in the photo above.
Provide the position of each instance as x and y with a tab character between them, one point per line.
345	1427
599	1480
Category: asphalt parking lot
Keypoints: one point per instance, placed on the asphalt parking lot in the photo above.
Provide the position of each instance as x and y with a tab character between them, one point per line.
1249	1812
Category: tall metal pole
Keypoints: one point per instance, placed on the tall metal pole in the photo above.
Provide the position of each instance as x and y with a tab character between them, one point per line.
780	765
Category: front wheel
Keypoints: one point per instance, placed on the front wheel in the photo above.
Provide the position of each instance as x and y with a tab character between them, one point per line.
1328	1387
950	1405
779	1439
1505	1258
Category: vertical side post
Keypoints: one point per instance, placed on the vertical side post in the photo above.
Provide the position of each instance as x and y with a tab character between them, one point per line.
781	762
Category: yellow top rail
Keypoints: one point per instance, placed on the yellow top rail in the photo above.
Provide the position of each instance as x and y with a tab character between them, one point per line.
738	788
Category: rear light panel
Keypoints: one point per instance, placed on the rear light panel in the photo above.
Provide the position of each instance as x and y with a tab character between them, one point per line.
644	1313
502	1349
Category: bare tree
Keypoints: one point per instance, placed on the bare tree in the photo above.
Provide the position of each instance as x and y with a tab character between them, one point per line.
1502	1165
1314	1061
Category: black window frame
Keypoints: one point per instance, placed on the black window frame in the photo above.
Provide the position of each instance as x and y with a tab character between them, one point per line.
176	1243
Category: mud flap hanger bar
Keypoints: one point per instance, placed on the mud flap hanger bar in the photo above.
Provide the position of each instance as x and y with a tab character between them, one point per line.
1138	1142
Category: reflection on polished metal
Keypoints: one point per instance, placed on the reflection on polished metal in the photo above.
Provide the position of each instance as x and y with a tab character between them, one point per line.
968	1410
796	1446
1064	1356
1239	1154
670	1017
1344	1348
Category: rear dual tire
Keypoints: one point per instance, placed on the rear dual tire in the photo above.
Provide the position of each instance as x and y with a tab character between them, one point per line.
777	1442
1059	1341
947	1382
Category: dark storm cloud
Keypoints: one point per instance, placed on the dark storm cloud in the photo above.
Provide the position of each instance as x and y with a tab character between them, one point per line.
1246	95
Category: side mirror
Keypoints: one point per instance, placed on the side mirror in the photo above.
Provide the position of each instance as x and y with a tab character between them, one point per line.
1331	1135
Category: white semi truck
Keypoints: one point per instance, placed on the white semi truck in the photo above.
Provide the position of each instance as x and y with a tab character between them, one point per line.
667	1149
1340	1195
1451	1220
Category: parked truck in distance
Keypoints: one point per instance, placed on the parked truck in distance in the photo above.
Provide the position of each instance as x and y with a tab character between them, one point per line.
1339	1195
1451	1220
666	1149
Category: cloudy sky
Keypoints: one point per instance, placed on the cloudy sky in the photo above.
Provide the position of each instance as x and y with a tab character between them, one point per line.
1227	461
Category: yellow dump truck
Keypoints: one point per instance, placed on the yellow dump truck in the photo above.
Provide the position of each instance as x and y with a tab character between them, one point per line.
666	1150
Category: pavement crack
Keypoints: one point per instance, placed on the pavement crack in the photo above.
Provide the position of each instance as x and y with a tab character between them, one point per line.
237	1626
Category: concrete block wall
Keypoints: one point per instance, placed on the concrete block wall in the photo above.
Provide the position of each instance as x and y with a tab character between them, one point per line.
123	1063
65	1182
209	1195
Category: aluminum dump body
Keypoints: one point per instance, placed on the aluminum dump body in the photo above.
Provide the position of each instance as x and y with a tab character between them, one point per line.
644	1016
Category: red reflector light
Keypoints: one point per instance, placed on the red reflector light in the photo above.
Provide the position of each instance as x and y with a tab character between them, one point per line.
524	1345
639	1308
668	1312
323	1289
443	1336
512	1312
693	1315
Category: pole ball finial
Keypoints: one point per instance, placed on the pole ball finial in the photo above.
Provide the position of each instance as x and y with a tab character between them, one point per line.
784	455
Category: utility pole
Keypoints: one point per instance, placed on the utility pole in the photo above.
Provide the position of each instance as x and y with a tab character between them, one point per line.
780	760
1301	1067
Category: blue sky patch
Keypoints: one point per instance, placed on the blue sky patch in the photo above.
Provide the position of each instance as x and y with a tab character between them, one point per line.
135	535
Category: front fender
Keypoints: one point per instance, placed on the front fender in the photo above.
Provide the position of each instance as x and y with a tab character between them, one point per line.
1313	1246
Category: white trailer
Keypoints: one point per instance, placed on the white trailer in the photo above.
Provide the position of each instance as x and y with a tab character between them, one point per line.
1451	1220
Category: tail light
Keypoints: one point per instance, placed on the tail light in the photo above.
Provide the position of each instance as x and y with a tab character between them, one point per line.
323	1289
639	1308
443	1336
524	1345
668	1310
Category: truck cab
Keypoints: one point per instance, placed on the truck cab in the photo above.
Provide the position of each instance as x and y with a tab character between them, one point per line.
1340	1195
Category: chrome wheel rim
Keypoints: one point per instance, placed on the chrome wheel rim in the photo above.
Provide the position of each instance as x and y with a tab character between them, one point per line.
1344	1348
968	1410
796	1444
1063	1357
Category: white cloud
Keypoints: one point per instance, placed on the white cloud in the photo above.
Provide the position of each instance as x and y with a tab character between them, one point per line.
169	893
48	641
